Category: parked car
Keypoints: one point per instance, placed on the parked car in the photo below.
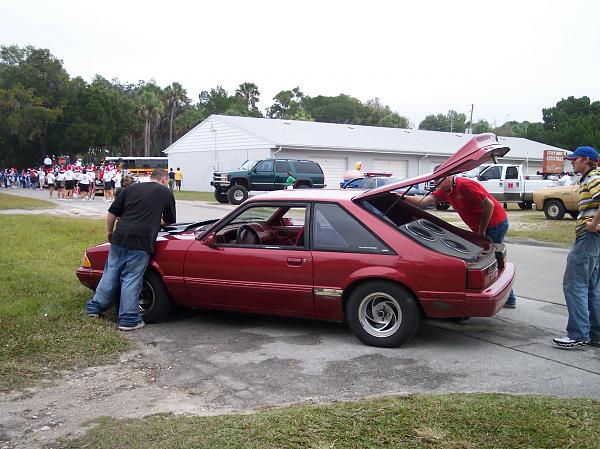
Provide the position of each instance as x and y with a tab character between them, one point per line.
556	201
266	175
368	258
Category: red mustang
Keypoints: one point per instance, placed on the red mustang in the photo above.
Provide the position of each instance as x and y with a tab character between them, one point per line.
370	259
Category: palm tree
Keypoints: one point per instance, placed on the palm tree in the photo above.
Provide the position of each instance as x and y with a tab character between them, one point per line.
249	93
176	96
149	108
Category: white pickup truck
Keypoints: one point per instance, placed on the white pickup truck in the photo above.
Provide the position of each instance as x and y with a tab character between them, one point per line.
507	183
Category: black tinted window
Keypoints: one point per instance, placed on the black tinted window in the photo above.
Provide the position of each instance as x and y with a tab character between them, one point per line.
512	173
308	167
282	166
336	230
265	166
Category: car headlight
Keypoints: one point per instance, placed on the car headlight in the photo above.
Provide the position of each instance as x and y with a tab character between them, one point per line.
85	261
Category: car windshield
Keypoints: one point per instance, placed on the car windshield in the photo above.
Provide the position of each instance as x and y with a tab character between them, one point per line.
247	165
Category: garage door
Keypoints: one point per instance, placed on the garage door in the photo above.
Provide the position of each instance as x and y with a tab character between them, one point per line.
334	168
398	168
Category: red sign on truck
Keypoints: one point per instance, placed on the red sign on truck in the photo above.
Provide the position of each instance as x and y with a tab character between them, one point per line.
554	161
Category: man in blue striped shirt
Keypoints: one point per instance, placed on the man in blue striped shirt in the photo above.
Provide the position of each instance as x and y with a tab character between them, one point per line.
581	282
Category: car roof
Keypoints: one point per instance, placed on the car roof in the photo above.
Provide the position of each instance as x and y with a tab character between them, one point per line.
306	195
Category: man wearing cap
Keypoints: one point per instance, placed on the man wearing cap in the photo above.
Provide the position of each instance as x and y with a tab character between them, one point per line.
476	206
581	282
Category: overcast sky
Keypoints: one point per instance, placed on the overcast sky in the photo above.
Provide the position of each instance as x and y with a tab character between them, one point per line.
509	58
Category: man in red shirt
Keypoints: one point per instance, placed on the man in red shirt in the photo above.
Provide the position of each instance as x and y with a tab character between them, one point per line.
480	211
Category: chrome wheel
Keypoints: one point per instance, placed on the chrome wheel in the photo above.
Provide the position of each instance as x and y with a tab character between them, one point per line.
380	314
147	298
238	195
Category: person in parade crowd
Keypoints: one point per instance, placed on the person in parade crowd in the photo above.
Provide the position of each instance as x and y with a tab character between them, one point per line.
24	179
42	177
33	178
84	185
141	209
92	177
117	177
60	184
107	176
47	162
69	183
76	179
50	180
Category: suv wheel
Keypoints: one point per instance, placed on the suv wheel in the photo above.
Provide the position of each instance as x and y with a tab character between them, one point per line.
382	314
237	194
554	210
221	196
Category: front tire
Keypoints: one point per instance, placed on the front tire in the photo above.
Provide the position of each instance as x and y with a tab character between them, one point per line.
382	314
574	215
237	194
554	210
221	197
155	304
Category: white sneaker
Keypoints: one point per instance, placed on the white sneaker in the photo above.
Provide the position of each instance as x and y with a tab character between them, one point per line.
132	328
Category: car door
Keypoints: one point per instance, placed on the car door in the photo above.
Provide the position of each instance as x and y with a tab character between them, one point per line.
491	179
513	184
262	177
271	277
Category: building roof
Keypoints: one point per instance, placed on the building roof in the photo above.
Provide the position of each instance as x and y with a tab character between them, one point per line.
335	136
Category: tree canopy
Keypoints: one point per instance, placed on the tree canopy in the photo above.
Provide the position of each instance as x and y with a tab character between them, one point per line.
43	111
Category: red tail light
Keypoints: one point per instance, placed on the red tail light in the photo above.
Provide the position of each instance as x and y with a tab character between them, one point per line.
478	279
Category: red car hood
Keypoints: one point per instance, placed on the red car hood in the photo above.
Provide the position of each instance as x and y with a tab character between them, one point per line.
480	149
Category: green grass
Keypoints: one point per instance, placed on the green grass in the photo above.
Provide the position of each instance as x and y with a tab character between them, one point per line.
8	201
455	421
43	327
194	196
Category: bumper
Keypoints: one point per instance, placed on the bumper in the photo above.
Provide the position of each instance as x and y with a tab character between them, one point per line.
484	303
220	184
88	277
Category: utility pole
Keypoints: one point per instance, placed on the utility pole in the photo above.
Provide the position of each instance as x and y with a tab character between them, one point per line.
471	121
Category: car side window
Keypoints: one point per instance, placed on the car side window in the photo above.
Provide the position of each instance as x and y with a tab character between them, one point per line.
282	166
512	173
491	173
265	166
334	229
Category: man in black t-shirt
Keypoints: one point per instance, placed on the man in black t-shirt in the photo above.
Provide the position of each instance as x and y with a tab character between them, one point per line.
140	209
171	179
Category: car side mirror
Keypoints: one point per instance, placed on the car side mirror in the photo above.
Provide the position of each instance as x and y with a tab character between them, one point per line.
286	221
210	239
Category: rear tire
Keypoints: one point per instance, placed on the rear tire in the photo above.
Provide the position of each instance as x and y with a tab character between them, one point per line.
382	314
155	304
574	215
237	194
525	205
554	210
221	197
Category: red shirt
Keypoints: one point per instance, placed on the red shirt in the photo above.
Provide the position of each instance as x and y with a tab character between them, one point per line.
466	198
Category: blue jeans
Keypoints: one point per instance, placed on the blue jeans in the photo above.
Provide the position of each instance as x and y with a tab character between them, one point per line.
581	286
497	234
124	271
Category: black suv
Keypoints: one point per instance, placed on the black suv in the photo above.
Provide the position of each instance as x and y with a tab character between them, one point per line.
266	175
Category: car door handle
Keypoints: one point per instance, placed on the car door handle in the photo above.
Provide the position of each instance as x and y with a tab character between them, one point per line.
295	261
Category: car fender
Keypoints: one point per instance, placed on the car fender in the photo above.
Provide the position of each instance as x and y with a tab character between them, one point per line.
376	273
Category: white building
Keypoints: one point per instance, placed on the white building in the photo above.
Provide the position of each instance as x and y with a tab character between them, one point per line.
225	142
